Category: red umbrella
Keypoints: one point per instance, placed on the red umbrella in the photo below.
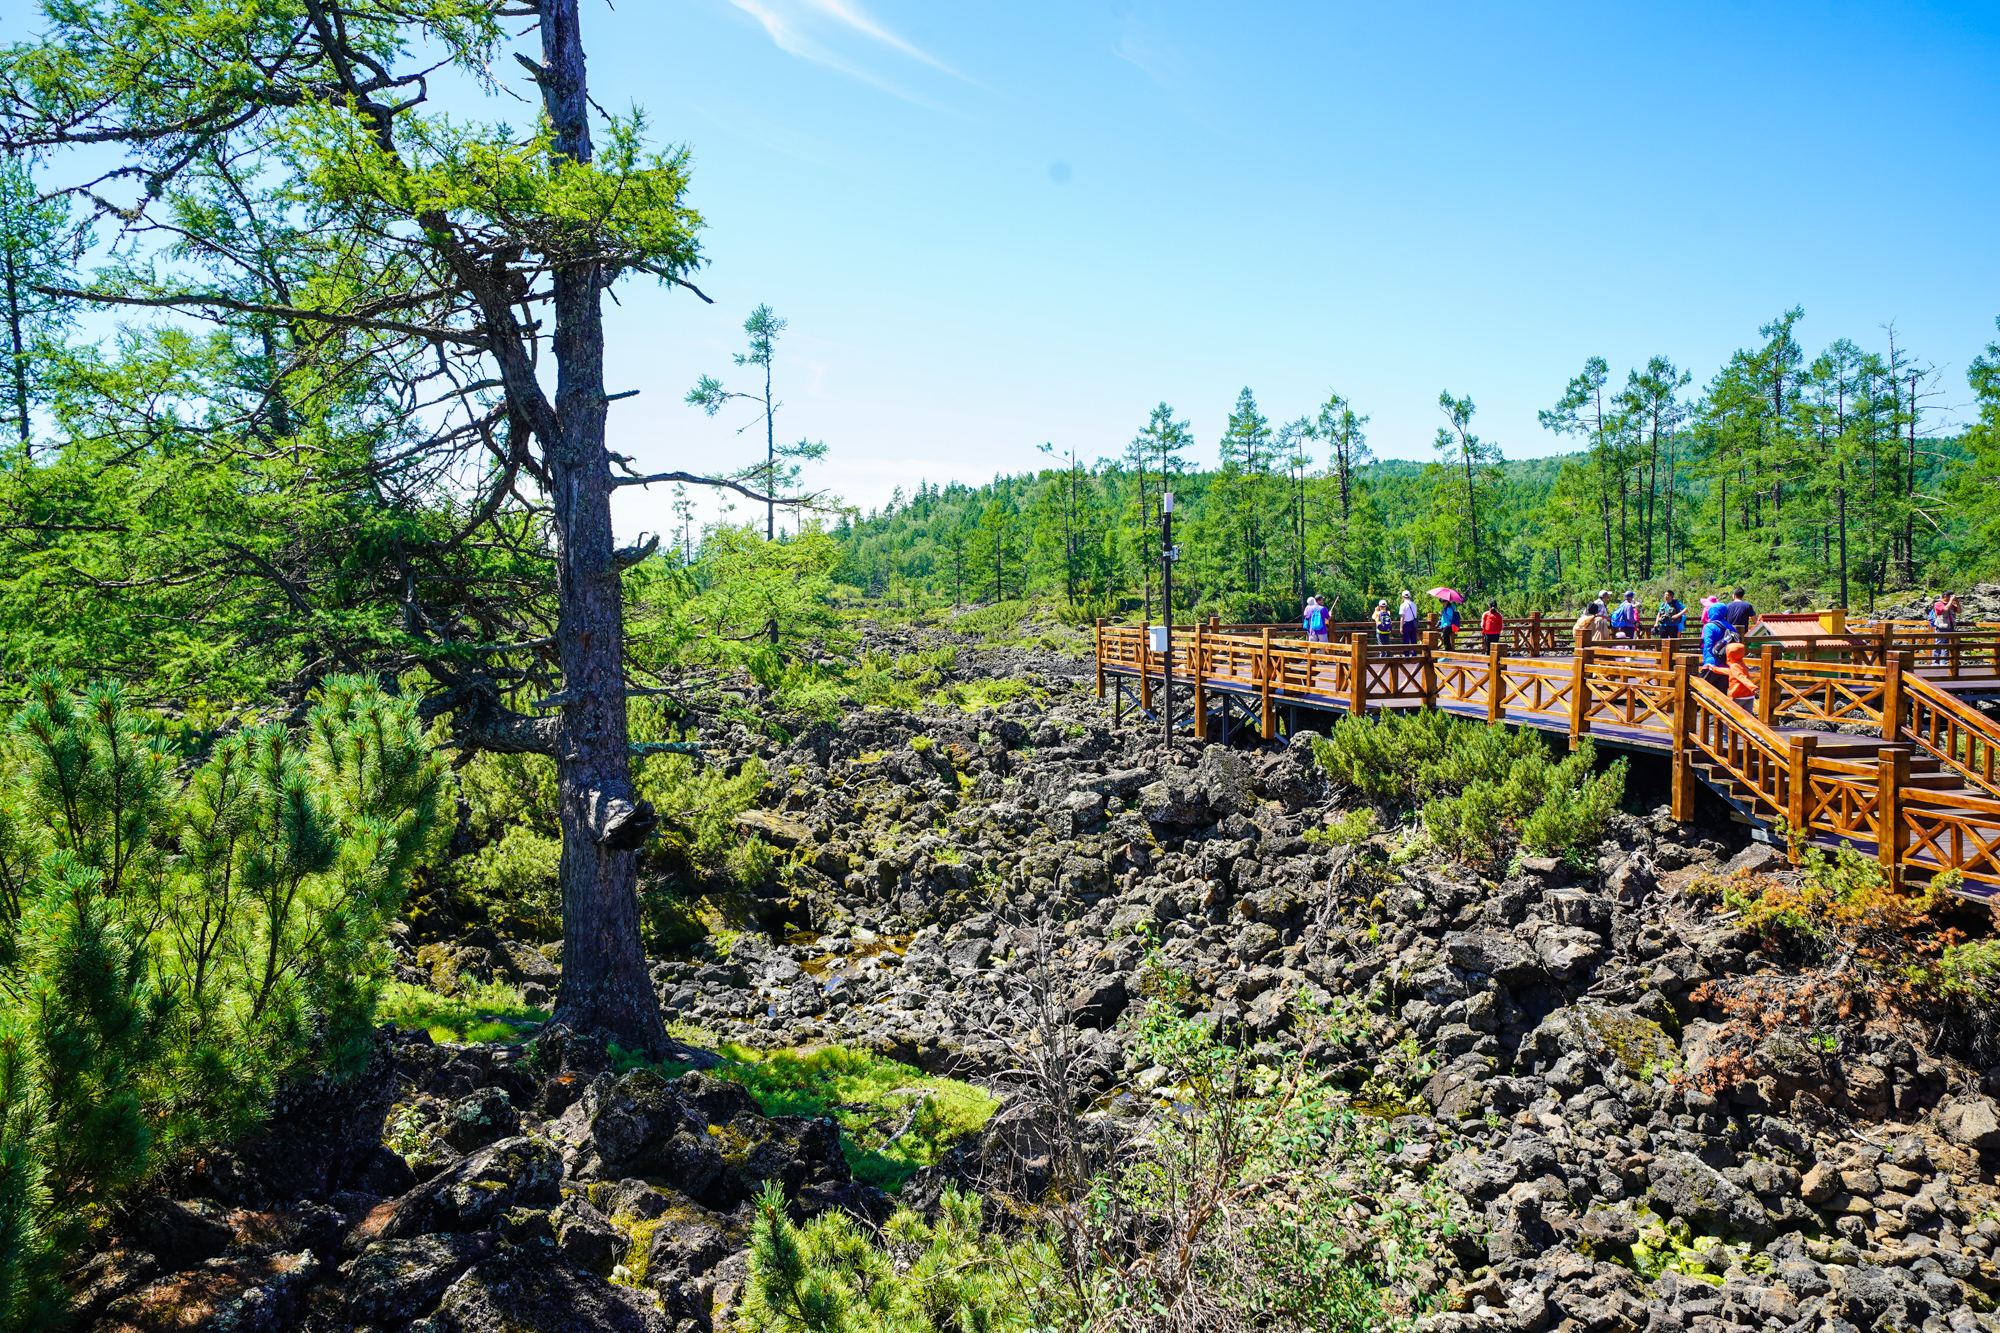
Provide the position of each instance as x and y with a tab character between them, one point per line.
1447	594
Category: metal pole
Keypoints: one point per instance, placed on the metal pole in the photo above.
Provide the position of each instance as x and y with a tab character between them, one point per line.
1167	615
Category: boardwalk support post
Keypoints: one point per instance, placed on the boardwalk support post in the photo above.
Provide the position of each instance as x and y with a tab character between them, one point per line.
1100	657
1534	633
1200	687
1893	667
1146	667
1357	702
1579	693
1798	792
1267	724
1683	780
1430	678
1892	775
1496	690
1767	685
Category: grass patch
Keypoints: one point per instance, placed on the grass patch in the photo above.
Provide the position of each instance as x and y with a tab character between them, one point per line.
872	1098
491	1011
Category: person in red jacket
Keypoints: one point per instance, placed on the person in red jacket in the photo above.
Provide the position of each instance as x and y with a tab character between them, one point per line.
1491	626
1742	685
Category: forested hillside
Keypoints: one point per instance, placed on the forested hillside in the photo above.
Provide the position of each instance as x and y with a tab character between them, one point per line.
1820	478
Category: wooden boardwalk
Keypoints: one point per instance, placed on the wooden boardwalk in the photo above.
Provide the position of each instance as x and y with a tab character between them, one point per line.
1912	780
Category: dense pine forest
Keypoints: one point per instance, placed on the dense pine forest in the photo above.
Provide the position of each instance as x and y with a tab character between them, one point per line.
1827	479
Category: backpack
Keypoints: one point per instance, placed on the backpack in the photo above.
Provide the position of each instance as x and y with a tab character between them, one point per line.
1622	617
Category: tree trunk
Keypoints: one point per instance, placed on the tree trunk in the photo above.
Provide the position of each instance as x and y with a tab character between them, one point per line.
604	985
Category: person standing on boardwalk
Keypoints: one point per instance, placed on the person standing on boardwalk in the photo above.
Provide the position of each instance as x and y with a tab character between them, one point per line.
1411	620
1742	616
1315	622
1491	626
1742	685
1591	625
1714	629
1448	625
1944	619
1625	617
1385	623
1673	615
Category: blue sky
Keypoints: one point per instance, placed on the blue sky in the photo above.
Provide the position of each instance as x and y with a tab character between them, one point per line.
995	225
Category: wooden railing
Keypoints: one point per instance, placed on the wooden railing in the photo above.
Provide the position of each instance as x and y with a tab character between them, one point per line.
1648	692
1954	733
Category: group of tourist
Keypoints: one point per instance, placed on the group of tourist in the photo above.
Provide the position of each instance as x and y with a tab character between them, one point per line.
1726	620
1405	623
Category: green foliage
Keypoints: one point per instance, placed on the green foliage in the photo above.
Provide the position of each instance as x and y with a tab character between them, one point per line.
1968	971
1483	787
1288	1151
1554	809
1350	828
832	1277
493	1011
894	1119
169	951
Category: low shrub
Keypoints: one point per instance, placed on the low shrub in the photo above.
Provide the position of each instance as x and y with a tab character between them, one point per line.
831	1276
1484	788
172	949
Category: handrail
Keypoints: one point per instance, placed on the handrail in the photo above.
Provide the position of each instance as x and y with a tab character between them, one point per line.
1958	736
1737	743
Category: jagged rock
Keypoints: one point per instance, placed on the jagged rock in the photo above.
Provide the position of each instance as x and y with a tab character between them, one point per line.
513	1173
1498	954
1684	1186
1223	777
537	1291
1758	858
780	830
1970	1122
1633	882
1175	800
636	1126
586	1237
395	1280
480	1119
319	1132
525	965
1098	1001
250	1294
179	1234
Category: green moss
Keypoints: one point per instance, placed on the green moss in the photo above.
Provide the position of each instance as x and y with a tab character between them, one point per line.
639	1256
872	1098
1640	1045
490	1012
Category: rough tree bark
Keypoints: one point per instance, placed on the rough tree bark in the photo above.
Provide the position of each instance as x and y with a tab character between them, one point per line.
605	981
604	988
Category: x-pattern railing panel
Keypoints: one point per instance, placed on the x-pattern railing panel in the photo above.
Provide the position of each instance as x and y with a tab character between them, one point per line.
1530	691
1633	696
1829	692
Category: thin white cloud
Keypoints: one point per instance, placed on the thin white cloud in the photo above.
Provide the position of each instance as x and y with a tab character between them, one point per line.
796	27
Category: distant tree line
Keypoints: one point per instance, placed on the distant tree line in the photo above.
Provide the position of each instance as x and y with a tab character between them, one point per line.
1828	479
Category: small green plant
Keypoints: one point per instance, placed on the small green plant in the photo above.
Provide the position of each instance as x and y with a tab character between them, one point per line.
832	1277
493	1011
1352	827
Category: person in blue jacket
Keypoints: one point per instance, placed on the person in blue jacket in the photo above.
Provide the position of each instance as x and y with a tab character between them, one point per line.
1315	620
1714	630
1448	626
